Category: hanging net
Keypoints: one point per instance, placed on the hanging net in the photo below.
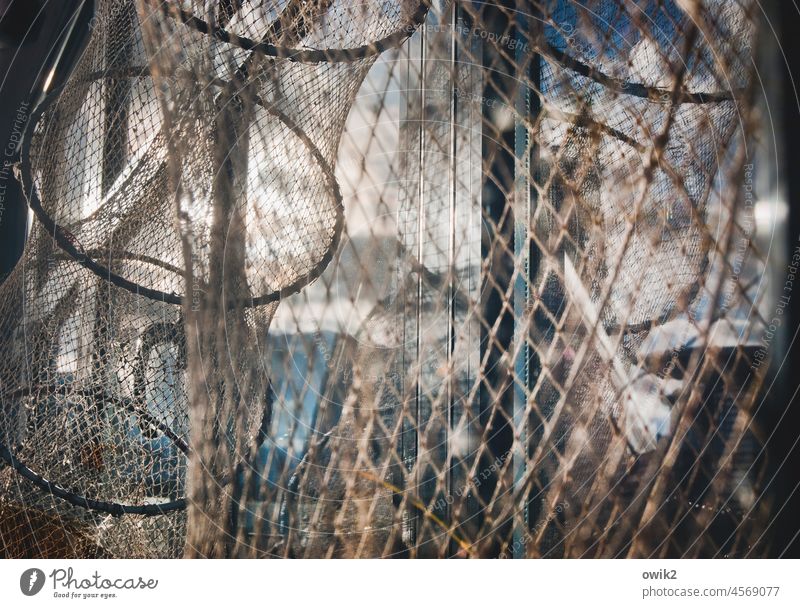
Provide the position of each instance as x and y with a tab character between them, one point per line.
322	278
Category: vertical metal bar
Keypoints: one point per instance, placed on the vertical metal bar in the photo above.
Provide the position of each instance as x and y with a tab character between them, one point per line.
420	258
496	398
452	268
526	109
413	119
522	220
436	220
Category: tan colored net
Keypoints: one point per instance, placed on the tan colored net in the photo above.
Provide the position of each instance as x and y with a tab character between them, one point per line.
321	278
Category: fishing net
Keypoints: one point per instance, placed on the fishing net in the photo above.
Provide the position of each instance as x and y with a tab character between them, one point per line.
95	410
320	278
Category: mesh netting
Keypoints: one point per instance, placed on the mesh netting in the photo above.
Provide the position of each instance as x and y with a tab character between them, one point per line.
320	278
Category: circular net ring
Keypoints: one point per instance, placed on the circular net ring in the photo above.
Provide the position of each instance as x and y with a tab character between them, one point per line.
149	425
146	421
300	55
91	258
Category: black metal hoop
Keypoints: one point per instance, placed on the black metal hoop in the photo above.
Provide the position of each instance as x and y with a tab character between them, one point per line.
114	508
70	244
624	87
302	55
79	500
